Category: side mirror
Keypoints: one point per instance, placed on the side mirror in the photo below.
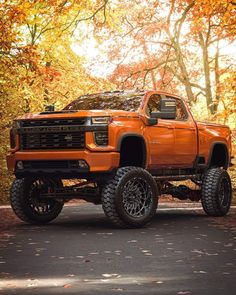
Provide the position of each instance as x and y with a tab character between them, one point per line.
152	121
167	109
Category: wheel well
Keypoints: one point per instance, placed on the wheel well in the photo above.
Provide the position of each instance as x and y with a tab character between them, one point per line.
133	152
219	156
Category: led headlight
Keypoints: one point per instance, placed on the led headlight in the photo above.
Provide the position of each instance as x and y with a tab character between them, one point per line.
100	120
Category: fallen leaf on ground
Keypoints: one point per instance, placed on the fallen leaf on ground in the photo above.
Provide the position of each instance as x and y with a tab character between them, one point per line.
67	286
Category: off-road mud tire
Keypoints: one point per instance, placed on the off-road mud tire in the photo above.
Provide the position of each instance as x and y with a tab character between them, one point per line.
19	198
216	192
112	197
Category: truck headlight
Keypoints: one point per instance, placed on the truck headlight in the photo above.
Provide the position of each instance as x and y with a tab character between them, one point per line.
100	120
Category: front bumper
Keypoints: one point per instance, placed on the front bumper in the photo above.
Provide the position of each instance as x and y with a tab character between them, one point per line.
97	162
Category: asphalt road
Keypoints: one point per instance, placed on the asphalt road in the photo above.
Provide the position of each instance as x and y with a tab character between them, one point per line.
181	252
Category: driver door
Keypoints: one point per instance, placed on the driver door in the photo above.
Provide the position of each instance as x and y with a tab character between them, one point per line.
160	137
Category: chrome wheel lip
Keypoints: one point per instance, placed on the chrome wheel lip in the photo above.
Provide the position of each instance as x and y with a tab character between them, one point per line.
137	197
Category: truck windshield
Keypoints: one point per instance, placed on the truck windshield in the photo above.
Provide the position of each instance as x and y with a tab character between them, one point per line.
103	101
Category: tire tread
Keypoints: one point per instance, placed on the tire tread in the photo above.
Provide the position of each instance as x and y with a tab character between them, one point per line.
108	198
210	191
17	195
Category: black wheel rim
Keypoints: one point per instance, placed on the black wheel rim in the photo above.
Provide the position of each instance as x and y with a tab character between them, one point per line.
224	192
38	205
137	197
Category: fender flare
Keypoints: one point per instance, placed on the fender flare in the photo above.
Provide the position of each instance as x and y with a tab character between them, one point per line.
226	165
144	145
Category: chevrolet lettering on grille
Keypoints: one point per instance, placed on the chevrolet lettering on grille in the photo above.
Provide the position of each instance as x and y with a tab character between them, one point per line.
44	129
52	129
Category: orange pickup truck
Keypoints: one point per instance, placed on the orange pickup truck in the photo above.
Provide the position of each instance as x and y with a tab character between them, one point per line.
121	149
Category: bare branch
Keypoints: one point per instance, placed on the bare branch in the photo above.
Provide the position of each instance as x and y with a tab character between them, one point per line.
199	93
103	7
71	23
195	85
160	42
176	75
170	12
160	64
144	78
220	38
132	30
147	70
92	16
208	31
179	22
170	80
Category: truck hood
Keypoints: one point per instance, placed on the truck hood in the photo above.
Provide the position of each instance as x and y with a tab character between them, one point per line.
75	114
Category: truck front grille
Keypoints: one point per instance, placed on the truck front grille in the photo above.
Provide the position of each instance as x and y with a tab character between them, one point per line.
61	140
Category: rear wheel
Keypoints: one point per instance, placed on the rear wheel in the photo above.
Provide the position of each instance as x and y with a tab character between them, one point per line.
27	203
130	198
216	192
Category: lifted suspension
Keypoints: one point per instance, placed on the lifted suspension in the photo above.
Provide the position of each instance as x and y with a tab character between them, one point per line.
181	192
87	191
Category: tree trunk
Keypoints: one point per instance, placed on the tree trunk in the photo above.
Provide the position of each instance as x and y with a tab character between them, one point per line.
186	81
152	73
217	80
46	92
207	73
184	73
174	38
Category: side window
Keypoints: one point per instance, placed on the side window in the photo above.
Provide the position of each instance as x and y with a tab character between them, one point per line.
153	104
181	113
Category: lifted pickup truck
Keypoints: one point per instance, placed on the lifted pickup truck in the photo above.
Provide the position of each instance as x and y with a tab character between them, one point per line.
121	149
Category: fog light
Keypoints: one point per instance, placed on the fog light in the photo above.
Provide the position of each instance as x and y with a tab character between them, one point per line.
101	138
20	165
82	164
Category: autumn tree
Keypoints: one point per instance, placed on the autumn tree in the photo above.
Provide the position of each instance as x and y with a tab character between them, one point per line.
169	44
37	64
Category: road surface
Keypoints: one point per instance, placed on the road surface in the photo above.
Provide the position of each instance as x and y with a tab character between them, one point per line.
182	252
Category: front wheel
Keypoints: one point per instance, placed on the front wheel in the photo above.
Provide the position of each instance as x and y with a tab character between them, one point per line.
130	199
216	192
27	203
